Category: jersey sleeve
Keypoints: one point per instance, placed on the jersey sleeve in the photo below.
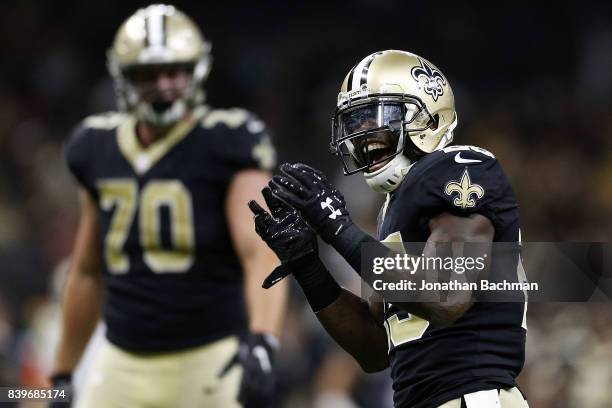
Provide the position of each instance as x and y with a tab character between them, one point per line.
246	143
465	182
77	152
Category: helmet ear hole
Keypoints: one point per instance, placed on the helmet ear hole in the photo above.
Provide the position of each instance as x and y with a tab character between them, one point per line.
435	122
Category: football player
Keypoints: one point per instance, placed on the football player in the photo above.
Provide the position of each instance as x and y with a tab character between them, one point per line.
164	247
394	121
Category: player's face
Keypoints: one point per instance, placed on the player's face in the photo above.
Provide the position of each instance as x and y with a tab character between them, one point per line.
373	134
376	147
161	85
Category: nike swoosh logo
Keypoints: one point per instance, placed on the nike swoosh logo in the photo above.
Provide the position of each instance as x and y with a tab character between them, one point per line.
460	159
338	230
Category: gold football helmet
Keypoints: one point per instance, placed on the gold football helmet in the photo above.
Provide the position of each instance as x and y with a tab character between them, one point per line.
393	107
158	35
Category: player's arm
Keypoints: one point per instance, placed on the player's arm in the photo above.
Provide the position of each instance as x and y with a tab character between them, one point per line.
357	327
249	149
448	228
445	228
350	321
266	308
323	207
82	297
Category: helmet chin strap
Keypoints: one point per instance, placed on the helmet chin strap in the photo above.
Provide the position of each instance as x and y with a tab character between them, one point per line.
389	177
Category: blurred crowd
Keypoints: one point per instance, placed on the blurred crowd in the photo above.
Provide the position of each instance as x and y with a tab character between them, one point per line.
532	85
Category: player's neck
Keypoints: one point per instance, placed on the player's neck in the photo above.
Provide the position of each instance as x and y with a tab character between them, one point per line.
149	134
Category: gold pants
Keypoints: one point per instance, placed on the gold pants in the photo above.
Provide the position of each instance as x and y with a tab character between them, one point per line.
186	378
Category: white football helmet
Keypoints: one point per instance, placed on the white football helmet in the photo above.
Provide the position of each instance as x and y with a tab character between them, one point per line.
393	107
158	35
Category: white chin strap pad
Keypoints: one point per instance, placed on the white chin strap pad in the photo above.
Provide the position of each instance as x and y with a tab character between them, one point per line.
388	178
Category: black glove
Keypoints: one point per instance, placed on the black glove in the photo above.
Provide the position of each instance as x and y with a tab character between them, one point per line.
285	232
256	356
308	191
62	380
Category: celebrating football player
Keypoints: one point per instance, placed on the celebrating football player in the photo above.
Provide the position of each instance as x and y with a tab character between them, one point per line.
164	245
394	120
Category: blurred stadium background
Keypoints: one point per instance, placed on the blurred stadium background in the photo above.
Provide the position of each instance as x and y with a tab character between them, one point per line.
532	84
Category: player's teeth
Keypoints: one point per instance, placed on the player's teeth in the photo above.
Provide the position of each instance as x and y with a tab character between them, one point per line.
374	146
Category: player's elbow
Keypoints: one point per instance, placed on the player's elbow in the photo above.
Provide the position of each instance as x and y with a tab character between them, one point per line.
372	356
374	365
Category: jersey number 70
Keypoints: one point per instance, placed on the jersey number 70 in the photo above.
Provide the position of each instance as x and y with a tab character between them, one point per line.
124	197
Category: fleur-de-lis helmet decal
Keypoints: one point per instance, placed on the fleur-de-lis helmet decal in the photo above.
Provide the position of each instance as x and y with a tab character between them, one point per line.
433	81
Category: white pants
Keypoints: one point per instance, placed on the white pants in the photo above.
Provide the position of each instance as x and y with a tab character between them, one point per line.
504	398
186	378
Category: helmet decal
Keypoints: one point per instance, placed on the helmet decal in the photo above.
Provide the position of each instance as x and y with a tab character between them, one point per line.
155	27
359	74
433	80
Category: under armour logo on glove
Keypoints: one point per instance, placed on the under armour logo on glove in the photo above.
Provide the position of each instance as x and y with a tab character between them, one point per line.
308	191
327	204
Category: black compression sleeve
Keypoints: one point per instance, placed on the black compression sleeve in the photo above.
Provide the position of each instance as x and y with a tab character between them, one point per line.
349	245
318	285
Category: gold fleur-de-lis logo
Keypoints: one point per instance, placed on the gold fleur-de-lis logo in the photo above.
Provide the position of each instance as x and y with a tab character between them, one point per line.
464	189
433	81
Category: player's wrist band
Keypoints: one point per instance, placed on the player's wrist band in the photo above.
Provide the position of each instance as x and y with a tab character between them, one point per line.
318	285
330	232
348	244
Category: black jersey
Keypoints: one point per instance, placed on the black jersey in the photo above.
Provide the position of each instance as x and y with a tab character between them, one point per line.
485	348
172	277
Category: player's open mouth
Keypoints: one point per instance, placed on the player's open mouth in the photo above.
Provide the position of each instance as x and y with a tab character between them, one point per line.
377	151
